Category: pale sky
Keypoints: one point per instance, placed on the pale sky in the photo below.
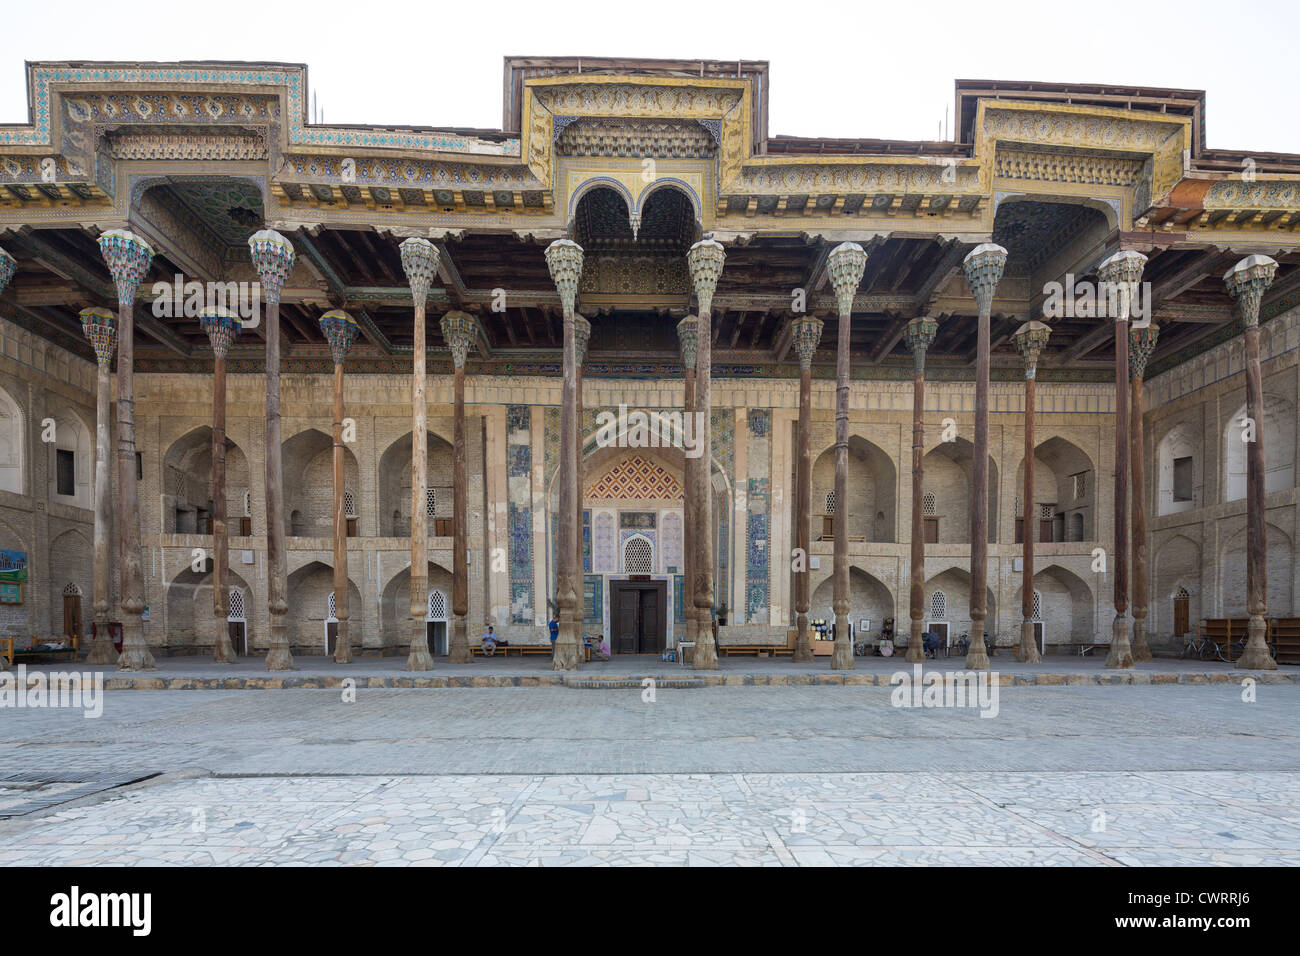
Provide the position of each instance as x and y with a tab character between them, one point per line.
837	70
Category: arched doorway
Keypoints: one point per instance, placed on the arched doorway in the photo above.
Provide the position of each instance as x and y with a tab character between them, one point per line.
237	623
435	622
72	610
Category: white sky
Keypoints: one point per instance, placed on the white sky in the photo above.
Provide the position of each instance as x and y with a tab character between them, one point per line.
852	70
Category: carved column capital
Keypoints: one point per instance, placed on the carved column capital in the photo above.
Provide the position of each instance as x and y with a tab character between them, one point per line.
460	330
222	327
688	338
1141	345
846	263
100	327
919	335
806	334
273	258
1031	338
983	266
581	339
1246	283
705	260
128	257
564	260
340	331
420	263
1119	276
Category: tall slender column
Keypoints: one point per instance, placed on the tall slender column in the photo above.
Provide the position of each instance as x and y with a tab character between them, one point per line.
688	333
806	333
920	334
1141	344
420	261
705	260
460	332
1118	277
581	337
564	259
846	264
128	257
222	326
1246	282
340	331
100	326
273	258
1031	339
983	266
8	266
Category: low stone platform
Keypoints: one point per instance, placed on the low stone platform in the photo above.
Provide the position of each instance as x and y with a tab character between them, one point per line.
196	673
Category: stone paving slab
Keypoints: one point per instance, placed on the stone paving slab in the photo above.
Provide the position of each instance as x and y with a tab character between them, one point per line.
669	819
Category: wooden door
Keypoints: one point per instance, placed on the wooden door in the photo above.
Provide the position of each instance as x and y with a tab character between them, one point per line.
236	631
648	638
331	636
931	530
1045	531
1040	637
626	621
1182	616
72	615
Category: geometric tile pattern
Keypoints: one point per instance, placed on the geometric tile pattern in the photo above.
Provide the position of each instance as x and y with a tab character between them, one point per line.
605	546
672	542
757	530
520	512
635	478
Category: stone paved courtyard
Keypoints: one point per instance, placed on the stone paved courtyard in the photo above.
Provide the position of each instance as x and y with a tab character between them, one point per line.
1088	775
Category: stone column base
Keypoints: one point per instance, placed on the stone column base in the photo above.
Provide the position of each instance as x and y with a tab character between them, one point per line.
1256	656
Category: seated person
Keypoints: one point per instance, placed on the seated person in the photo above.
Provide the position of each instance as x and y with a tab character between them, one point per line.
601	648
930	641
491	642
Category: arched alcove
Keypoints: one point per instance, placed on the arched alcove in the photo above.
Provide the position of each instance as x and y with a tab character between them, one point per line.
395	602
1064	492
872	493
308	464
187	483
1065	605
1280	567
395	485
12	444
1278	433
190	620
71	465
869	600
310	587
948	473
1178	470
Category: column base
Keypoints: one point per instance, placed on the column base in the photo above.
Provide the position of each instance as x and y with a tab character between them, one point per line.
1027	652
977	658
1121	651
343	644
418	657
916	643
135	655
458	647
842	654
705	656
803	642
102	650
1256	656
223	652
1141	650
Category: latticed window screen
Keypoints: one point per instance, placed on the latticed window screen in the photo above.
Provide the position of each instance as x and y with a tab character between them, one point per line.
236	604
430	502
1020	513
1182	595
938	605
830	502
1046	512
179	483
437	606
331	604
638	556
1080	484
248	504
71	589
928	503
349	504
1038	606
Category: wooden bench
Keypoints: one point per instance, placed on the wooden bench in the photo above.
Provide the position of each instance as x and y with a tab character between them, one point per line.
1084	648
522	650
41	647
776	650
1284	633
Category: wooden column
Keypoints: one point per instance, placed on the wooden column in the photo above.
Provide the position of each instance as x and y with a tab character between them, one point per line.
340	331
581	338
705	261
983	267
273	258
846	264
806	334
564	259
100	326
460	332
1030	339
222	326
128	258
1141	344
420	262
1118	277
688	342
1246	283
920	334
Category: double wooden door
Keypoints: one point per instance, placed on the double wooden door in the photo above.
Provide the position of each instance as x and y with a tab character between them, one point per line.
638	616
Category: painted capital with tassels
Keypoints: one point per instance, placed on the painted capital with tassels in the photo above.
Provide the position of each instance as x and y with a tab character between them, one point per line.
420	263
705	260
806	335
340	331
8	266
581	338
919	335
688	338
100	327
1141	345
1246	283
983	267
273	258
846	263
564	260
128	257
222	327
1031	338
460	330
1119	276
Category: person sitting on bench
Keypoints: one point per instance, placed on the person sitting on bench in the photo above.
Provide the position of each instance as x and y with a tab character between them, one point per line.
930	641
491	642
